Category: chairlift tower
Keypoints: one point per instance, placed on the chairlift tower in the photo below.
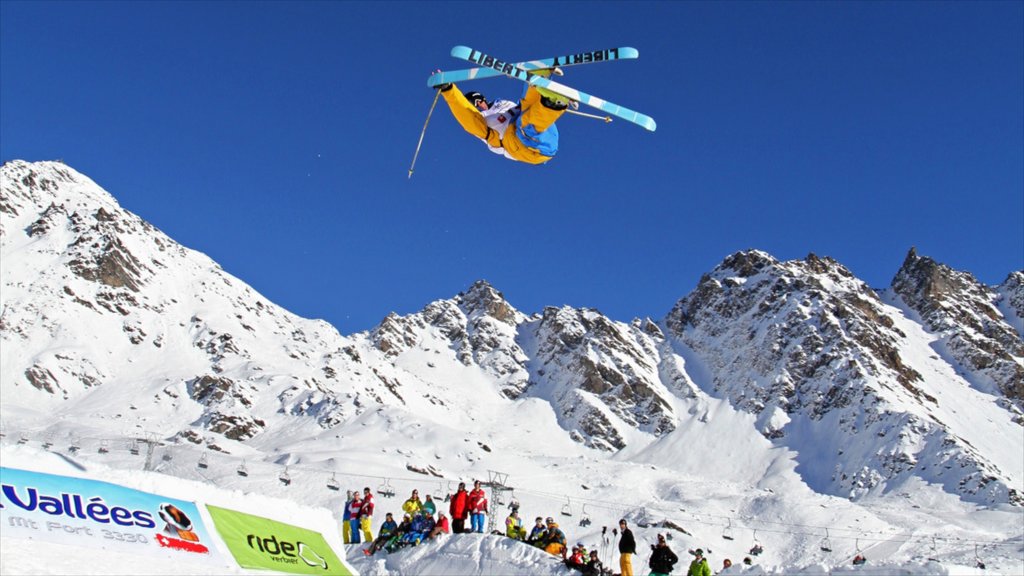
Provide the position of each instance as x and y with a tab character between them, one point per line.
501	493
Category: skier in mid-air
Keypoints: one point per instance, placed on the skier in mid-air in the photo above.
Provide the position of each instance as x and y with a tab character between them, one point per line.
523	130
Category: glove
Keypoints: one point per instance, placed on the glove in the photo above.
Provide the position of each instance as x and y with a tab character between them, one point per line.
443	88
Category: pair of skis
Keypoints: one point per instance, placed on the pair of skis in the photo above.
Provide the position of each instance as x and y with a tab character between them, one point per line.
491	67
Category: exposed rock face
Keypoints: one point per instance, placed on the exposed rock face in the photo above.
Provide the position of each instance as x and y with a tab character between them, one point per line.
804	345
966	313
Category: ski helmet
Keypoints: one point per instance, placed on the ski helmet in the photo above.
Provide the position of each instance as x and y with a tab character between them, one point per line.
474	97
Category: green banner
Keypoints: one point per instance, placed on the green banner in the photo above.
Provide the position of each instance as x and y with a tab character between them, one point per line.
265	544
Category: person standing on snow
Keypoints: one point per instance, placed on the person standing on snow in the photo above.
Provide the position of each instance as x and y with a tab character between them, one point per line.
477	507
627	548
459	509
355	507
699	566
664	559
523	130
346	527
413	506
429	505
366	515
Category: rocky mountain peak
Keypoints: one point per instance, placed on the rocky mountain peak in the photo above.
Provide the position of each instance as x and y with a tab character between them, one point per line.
966	314
484	299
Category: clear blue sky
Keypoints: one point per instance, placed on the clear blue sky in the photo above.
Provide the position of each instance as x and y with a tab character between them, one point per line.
276	137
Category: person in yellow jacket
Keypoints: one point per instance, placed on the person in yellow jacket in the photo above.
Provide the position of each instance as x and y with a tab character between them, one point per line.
413	506
514	526
524	131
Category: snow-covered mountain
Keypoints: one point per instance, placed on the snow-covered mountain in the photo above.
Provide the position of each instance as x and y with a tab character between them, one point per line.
789	381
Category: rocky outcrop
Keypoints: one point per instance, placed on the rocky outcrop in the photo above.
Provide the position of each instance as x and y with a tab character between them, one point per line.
965	313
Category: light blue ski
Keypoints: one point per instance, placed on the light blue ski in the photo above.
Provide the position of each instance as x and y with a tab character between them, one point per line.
514	71
622	53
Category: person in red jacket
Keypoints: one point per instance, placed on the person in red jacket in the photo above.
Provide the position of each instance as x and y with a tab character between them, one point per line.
366	515
355	508
459	509
477	508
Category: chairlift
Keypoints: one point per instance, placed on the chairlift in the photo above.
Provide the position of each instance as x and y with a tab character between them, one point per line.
285	478
977	559
23	439
74	445
584	517
859	559
133	447
333	483
242	471
826	544
386	489
757	548
567	509
204	461
727	533
104	449
48	442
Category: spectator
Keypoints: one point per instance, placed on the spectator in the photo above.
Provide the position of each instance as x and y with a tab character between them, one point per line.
627	548
366	515
514	526
576	560
429	505
442	527
387	530
664	559
413	506
459	509
355	507
699	566
477	507
346	528
594	566
536	537
554	539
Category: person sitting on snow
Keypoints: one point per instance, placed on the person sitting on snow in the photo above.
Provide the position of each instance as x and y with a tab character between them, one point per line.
576	560
554	539
536	537
387	530
442	527
594	566
514	526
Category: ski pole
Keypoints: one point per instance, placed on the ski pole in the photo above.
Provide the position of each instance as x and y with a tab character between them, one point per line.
423	133
594	116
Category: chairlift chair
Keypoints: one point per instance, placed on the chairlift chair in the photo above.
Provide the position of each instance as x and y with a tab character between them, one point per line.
204	461
727	533
133	448
584	517
826	544
386	489
242	471
567	509
333	483
103	449
977	559
756	549
285	478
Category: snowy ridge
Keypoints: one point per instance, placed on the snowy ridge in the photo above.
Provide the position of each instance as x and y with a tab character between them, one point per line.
771	391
